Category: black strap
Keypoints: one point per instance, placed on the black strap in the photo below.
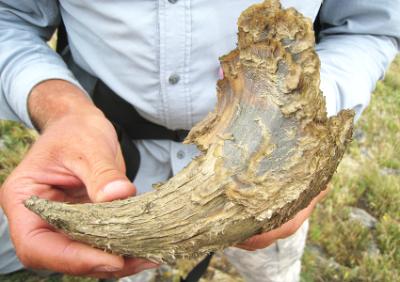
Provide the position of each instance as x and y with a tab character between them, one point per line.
62	38
199	270
130	152
127	117
317	25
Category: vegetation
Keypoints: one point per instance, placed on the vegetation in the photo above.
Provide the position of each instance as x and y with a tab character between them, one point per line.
340	248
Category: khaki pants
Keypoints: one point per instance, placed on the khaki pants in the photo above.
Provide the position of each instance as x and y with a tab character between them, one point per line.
280	262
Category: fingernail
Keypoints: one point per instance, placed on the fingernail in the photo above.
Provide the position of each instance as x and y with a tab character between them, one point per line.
117	189
106	268
115	186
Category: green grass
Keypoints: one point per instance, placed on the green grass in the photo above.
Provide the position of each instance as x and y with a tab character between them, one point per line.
339	249
367	178
14	142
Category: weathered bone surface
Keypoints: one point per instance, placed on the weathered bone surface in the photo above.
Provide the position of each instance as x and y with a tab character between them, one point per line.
268	149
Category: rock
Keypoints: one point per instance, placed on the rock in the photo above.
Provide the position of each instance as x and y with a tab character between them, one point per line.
364	218
316	250
368	221
366	153
389	171
322	258
359	135
373	249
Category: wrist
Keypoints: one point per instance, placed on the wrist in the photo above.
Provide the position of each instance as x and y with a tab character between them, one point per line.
52	100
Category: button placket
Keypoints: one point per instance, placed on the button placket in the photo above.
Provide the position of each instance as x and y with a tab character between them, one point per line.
174	62
162	18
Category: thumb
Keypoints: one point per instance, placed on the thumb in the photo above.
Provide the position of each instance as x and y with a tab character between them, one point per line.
113	190
104	179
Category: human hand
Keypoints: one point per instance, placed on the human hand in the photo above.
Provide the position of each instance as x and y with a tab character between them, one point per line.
77	158
265	239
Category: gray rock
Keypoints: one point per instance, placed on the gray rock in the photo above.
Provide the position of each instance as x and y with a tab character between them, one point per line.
365	153
389	171
322	258
359	135
373	249
316	250
363	217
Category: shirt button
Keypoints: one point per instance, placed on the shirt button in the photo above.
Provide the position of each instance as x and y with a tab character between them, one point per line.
180	154
174	79
172	1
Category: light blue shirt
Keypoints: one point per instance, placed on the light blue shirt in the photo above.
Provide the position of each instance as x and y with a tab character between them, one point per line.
135	46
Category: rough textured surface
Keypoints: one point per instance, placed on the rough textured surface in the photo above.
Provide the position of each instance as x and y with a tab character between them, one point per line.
268	149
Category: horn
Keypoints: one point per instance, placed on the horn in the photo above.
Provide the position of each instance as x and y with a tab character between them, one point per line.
267	150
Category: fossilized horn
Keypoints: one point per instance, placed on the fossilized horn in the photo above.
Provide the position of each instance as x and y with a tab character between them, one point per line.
267	149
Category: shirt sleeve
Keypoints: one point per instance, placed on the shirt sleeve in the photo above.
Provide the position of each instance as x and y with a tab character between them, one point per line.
25	58
357	42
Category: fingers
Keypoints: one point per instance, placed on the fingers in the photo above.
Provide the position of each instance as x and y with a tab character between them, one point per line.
102	174
116	189
89	153
64	160
265	239
133	265
39	247
289	228
52	250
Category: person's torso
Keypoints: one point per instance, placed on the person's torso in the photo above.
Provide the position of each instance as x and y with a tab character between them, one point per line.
161	56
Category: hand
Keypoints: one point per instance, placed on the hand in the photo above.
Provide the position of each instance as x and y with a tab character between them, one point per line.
76	159
289	228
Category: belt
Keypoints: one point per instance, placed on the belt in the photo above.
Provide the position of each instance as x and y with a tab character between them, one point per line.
128	119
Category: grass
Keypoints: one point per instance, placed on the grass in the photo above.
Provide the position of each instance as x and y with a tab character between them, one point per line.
14	142
338	248
368	178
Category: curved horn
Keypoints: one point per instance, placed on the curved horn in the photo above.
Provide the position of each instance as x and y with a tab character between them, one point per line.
267	149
